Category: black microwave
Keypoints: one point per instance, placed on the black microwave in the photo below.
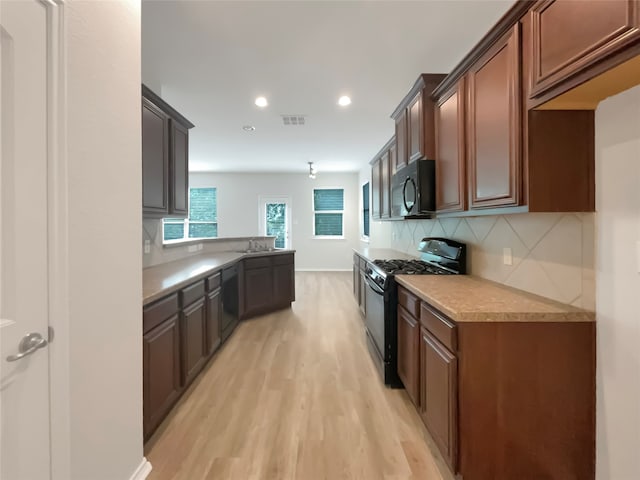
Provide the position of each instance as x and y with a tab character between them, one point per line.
413	190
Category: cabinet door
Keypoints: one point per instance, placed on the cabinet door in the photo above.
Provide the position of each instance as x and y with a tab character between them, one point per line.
438	395
193	340
450	151
569	36
283	284
161	372
409	353
179	169
214	314
385	186
494	125
363	291
415	128
258	289
401	142
356	281
155	160
376	189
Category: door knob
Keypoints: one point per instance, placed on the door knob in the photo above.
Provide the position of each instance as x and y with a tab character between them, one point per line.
28	345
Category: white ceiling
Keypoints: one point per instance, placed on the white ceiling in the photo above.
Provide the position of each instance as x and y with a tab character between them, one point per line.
210	59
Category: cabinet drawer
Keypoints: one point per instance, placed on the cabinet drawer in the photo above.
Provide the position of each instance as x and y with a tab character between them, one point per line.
282	259
409	301
213	282
439	326
156	313
259	262
192	293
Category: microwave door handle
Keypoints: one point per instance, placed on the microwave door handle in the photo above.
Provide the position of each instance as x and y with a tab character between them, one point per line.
404	194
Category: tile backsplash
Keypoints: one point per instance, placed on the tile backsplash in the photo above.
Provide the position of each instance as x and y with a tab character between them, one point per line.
553	253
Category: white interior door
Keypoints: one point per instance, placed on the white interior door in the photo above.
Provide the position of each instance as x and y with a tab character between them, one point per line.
24	371
275	219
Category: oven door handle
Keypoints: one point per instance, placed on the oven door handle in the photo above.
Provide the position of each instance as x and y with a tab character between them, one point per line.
373	286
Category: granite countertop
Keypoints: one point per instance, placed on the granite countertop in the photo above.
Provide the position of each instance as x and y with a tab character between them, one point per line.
465	298
161	280
372	254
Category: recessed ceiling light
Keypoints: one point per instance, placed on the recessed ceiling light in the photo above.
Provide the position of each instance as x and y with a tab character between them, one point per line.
248	128
261	102
343	101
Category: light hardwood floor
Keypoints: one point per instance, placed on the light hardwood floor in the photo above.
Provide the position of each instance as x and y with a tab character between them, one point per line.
294	395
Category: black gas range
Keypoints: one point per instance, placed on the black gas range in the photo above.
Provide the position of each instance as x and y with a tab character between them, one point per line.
439	256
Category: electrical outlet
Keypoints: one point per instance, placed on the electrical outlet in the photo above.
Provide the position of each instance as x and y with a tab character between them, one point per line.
147	246
192	248
507	256
199	246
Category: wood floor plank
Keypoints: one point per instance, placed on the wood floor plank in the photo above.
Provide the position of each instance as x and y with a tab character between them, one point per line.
294	395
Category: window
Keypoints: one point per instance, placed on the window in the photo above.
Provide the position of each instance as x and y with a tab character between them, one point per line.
202	221
328	209
365	210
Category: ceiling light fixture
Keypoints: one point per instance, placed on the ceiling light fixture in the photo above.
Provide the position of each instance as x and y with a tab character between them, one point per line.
312	170
249	128
261	102
343	101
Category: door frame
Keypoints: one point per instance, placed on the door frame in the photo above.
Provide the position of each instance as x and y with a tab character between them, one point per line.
262	226
58	244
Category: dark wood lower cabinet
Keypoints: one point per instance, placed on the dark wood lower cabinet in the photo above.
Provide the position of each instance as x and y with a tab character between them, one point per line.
267	284
502	400
193	340
161	372
182	330
214	313
283	284
258	287
438	395
408	353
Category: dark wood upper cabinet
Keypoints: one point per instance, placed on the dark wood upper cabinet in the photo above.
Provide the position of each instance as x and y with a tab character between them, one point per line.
385	185
494	132
381	172
376	189
409	353
401	141
439	397
155	159
165	158
415	133
568	37
450	150
179	169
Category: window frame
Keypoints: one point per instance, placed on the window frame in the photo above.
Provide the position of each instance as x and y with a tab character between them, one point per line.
315	212
186	222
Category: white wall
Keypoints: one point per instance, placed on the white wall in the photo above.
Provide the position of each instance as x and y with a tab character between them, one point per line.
104	208
238	195
618	286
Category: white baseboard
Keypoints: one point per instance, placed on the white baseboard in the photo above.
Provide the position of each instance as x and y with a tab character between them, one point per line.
323	270
142	471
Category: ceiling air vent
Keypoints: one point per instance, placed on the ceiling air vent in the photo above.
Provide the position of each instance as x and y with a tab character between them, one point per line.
293	119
